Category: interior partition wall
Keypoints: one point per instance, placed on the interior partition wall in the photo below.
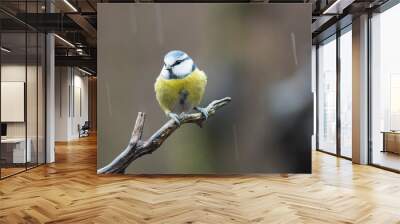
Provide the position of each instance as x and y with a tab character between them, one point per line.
22	88
334	94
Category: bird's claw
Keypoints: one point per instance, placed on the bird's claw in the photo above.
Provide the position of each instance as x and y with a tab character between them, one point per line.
174	117
202	111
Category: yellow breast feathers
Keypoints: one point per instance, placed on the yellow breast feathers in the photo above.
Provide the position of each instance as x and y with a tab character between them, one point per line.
172	93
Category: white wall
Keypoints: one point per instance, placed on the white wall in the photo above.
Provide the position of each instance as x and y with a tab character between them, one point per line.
11	73
62	81
80	110
71	93
34	126
16	73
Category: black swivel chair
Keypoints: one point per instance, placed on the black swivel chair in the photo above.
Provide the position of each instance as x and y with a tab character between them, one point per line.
84	130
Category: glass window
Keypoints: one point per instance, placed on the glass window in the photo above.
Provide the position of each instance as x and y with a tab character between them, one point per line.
22	92
327	96
15	149
41	98
346	93
385	89
314	90
31	100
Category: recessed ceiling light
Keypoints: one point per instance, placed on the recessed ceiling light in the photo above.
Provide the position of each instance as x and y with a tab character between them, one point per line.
84	71
338	6
64	40
70	5
5	50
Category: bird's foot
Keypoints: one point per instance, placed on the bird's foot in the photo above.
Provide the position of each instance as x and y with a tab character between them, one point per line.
174	117
202	111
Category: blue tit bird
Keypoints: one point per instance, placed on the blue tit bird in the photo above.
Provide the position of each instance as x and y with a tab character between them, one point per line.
180	86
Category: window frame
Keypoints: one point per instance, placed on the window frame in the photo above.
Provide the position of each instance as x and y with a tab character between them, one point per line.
335	36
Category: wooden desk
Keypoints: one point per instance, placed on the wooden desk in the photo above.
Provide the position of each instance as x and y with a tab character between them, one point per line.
391	141
13	150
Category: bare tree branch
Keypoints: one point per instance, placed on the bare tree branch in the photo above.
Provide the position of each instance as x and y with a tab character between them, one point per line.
138	148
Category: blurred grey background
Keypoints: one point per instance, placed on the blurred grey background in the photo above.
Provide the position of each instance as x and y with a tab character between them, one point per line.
258	54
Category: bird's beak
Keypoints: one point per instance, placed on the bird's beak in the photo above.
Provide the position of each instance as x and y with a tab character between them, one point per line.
168	67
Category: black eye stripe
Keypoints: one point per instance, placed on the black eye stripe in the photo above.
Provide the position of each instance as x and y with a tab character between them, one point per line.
179	61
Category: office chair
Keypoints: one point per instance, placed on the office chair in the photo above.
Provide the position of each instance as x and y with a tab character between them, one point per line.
84	130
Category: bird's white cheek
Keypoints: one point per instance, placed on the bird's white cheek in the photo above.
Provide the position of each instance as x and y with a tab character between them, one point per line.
164	73
183	69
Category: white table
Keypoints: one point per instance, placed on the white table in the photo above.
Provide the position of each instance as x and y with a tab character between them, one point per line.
18	145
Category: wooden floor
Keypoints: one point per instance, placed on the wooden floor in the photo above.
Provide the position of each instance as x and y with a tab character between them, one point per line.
69	191
386	159
5	172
